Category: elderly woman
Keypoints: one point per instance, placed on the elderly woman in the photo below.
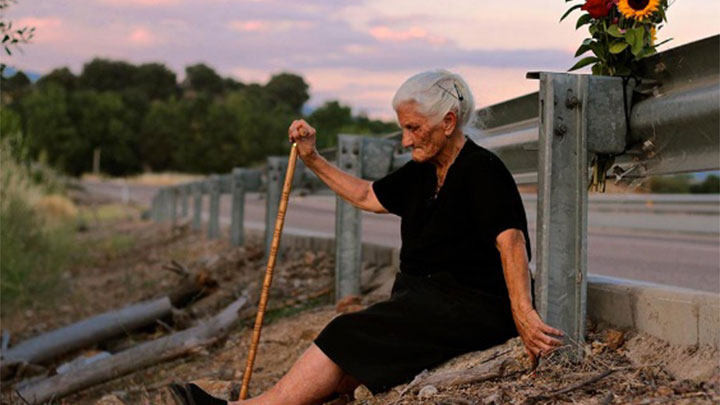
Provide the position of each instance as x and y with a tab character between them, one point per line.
464	283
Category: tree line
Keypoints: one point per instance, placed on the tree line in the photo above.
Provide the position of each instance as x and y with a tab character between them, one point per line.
142	119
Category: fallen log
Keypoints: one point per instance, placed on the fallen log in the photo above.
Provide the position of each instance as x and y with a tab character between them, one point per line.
138	357
101	327
85	333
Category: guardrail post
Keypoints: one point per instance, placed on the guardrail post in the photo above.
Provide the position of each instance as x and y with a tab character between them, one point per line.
214	219
173	205
153	208
166	205
238	207
184	190
276	167
562	207
348	225
197	190
580	115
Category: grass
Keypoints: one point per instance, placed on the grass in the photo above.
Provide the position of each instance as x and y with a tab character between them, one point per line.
284	312
149	179
32	257
38	229
105	212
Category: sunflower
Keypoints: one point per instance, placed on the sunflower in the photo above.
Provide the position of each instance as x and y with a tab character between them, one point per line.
638	9
653	35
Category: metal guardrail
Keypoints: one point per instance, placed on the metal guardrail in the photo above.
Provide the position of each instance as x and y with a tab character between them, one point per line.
548	138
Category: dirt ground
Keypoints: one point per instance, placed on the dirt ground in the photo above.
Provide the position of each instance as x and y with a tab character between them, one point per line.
127	262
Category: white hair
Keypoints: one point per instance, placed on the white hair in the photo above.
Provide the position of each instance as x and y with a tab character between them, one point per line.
436	93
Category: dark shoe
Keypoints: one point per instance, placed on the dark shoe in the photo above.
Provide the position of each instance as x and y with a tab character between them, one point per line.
191	394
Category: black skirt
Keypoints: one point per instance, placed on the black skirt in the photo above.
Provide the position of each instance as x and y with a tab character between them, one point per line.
427	321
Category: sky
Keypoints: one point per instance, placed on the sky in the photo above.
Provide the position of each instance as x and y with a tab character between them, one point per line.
355	51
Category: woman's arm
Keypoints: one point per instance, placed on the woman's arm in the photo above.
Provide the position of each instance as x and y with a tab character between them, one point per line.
535	334
357	192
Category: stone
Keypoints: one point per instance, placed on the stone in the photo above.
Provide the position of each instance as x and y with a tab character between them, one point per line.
351	303
427	391
493	399
109	399
362	393
309	258
614	338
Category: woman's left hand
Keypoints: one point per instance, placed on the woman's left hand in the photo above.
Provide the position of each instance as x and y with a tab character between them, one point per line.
536	334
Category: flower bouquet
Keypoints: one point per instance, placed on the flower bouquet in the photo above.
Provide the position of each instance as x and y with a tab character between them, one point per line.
621	33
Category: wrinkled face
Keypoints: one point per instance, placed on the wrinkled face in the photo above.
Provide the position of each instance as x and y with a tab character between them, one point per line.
419	133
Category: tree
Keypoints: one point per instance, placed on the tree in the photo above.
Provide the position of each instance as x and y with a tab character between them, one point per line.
674	184
203	79
164	130
14	87
711	185
156	81
102	122
50	133
329	120
62	77
288	88
107	75
230	84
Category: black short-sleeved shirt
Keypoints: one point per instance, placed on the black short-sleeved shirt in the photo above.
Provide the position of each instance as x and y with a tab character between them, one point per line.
455	231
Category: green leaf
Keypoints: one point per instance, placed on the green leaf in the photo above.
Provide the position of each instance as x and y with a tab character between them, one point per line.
581	50
584	62
599	50
618	46
584	19
593	29
587	41
645	53
635	37
570	10
614	30
596	69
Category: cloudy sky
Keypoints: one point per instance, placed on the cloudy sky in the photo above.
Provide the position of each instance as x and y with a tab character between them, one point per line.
357	51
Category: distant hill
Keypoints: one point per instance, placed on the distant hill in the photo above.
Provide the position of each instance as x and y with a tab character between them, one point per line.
701	176
10	72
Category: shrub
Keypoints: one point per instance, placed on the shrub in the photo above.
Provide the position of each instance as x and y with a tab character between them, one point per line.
35	232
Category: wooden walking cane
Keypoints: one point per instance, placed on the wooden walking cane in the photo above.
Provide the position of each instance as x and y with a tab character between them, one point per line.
269	270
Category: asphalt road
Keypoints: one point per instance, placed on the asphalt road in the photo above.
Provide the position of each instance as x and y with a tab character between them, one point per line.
620	244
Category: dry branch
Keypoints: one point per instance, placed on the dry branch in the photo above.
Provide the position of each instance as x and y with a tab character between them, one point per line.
138	357
482	372
191	288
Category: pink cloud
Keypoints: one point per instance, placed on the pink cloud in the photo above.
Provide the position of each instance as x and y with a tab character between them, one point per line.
38	23
141	3
268	26
247	26
49	29
143	37
386	34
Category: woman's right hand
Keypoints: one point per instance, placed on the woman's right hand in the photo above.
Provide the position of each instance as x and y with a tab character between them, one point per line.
303	135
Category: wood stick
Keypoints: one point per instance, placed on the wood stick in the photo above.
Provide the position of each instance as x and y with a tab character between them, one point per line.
269	271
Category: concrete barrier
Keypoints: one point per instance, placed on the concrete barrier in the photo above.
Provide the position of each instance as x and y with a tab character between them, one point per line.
677	315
